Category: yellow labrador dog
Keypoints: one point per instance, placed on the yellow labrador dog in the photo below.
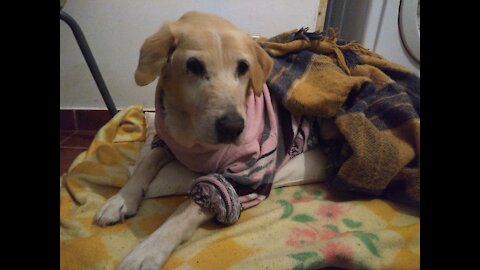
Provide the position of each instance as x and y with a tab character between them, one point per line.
215	116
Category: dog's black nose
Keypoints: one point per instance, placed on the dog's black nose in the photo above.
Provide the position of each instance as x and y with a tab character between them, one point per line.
229	127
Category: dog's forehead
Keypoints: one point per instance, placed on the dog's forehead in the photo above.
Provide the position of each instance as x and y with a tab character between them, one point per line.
216	44
204	38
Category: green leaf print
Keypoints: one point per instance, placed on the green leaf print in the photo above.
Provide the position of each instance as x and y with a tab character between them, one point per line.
317	193
303	256
362	266
303	218
298	194
298	267
279	190
352	224
315	264
367	240
287	208
331	227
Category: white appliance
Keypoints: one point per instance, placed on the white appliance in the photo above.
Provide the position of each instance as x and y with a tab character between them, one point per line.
389	27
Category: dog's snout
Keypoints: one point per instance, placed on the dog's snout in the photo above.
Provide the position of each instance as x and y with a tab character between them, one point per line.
229	126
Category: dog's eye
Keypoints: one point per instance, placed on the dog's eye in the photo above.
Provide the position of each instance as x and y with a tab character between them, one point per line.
195	66
242	67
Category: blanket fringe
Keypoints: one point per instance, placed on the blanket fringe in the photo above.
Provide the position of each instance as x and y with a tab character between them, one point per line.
329	43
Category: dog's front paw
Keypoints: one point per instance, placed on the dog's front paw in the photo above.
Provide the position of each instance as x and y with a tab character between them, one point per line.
116	209
145	257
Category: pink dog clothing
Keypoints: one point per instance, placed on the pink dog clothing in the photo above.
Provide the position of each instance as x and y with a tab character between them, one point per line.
241	174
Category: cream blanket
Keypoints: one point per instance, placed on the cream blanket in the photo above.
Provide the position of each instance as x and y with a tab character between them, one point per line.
297	227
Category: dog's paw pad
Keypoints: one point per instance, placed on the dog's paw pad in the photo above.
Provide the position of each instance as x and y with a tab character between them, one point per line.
116	209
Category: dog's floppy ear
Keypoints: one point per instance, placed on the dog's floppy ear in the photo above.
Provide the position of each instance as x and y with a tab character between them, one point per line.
260	69
154	54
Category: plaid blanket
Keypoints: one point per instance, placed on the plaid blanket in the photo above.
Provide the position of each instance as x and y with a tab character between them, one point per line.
372	104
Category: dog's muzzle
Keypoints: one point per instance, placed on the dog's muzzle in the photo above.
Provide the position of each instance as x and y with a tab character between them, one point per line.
229	126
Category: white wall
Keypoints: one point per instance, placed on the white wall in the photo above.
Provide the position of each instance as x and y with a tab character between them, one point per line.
377	29
389	42
115	30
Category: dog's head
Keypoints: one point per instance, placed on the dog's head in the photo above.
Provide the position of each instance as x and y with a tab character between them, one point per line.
205	68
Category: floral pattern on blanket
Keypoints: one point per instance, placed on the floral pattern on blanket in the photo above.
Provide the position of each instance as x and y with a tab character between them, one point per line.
326	236
298	227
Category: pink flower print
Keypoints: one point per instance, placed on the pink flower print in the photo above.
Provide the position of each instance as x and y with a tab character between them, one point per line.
337	253
330	211
300	237
327	234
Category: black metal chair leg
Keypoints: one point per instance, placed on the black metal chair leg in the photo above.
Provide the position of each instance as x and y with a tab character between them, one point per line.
92	65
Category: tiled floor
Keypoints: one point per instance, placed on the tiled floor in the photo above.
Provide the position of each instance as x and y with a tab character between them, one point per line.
72	143
77	130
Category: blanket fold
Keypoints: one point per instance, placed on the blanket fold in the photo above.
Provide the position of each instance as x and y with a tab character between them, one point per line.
373	103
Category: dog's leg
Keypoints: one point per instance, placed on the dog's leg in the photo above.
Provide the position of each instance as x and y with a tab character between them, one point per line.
173	179
125	203
155	250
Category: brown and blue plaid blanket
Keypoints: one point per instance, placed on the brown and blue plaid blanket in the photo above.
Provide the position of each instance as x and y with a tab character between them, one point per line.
370	103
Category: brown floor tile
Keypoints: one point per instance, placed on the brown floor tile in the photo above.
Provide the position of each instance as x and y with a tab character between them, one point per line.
64	134
92	119
67	121
66	158
81	138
